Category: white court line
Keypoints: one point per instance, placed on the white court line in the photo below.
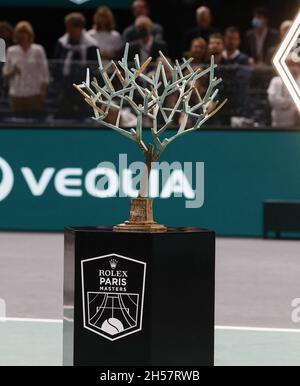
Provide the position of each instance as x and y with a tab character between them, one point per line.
258	329
224	328
30	320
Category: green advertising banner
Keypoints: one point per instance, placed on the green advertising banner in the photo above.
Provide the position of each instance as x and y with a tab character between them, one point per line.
116	4
48	178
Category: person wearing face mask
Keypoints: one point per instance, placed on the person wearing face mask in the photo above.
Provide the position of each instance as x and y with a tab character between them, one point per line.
261	38
284	110
145	45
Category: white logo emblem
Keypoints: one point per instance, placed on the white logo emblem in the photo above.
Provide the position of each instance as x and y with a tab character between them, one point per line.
78	2
113	295
113	263
7	181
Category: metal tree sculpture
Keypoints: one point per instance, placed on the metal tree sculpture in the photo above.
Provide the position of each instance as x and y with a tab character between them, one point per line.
142	93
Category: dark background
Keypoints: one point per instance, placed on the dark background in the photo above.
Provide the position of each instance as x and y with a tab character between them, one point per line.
175	15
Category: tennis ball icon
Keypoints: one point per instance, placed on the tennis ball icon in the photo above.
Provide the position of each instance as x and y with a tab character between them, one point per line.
112	326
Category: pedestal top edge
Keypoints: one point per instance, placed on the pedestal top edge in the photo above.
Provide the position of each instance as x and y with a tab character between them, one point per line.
171	230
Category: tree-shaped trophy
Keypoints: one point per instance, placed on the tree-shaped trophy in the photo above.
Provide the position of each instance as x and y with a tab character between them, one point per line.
140	293
147	96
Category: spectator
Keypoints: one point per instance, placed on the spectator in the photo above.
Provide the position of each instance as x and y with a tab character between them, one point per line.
198	51
261	38
146	45
75	44
27	71
232	54
236	78
216	48
73	50
109	40
284	28
203	29
284	110
6	33
199	91
141	8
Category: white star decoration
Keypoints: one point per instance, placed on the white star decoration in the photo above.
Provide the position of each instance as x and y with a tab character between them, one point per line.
287	47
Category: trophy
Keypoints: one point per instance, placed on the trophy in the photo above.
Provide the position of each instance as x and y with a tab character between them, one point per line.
141	294
147	95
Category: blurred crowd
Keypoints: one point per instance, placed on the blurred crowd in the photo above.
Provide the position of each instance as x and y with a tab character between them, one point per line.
27	76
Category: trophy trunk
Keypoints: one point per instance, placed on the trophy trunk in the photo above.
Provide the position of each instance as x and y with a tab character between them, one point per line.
141	218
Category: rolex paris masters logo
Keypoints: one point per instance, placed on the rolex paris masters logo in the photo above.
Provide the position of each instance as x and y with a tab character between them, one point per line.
113	289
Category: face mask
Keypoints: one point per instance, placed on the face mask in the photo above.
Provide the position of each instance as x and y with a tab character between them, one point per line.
142	32
257	23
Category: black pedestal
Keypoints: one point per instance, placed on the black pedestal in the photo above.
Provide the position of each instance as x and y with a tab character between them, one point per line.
139	299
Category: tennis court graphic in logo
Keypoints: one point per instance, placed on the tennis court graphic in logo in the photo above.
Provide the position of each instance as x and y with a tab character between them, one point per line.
113	288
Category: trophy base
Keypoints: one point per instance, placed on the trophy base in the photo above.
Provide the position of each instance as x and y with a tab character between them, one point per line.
141	218
140	227
159	287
